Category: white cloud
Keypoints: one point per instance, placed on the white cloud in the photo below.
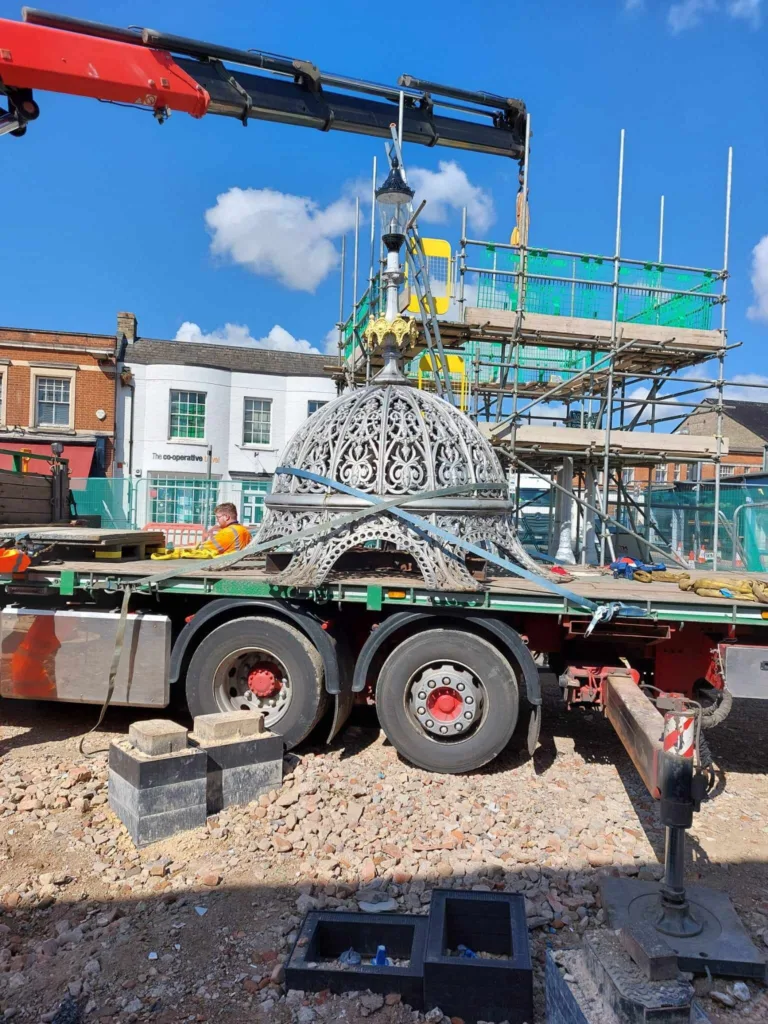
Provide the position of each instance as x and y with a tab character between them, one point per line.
239	334
632	6
654	410
759	276
748	10
449	188
331	342
747	391
688	13
274	234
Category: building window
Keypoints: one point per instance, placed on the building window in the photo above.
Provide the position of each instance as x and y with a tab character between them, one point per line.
187	418
628	475
257	421
253	492
677	471
53	404
313	405
182	499
660	475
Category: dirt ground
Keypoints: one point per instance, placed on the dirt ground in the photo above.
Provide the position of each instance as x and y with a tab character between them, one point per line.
197	928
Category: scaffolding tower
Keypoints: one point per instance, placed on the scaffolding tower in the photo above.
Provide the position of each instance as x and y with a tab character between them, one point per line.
575	364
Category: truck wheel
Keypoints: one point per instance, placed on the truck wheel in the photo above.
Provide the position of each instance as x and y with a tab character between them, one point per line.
259	664
447	700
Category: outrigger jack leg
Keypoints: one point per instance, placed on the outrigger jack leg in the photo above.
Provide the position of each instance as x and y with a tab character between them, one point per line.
699	926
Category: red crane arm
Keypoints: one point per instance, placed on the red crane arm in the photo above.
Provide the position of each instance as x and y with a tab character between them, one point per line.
36	57
58	53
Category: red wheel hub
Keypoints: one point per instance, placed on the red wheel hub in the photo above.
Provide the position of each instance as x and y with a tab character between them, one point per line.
262	682
444	704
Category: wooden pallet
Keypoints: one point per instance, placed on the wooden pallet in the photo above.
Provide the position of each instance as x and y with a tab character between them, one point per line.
84	541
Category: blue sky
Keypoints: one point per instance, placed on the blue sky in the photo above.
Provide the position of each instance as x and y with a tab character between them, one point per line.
105	210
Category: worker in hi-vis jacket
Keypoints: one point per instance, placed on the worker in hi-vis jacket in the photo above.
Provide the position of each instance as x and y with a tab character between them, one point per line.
228	535
225	538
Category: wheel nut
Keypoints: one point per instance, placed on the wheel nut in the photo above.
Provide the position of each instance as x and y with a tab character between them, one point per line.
470	700
446	680
422	696
443	728
460	687
458	727
468	715
421	711
431	683
429	723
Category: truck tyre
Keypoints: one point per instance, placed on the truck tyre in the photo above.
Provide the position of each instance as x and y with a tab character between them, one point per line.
447	700
259	664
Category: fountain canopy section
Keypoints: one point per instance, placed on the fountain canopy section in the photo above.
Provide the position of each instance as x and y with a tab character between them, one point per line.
388	440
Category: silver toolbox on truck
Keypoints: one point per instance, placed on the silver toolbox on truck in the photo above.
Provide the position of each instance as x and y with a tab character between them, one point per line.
746	670
66	654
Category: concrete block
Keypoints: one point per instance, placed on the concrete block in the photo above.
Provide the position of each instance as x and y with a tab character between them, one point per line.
632	997
479	989
239	771
228	725
157	736
568	1002
651	953
156	797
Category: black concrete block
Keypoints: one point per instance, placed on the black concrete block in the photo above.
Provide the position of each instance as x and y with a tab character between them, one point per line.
156	797
150	828
240	770
144	771
562	1004
627	991
479	989
325	935
237	753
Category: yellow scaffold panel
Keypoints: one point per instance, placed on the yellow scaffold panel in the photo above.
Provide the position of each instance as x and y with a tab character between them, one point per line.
456	371
440	269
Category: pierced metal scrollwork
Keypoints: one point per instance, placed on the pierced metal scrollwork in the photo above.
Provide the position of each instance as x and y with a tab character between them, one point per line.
386	441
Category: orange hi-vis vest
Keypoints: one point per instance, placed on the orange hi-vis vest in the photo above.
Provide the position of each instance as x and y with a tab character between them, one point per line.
231	538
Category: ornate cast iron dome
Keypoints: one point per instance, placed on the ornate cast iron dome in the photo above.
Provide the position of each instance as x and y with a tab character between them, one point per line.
389	440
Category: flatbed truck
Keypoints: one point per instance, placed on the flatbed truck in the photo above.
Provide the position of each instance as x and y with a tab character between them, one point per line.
454	676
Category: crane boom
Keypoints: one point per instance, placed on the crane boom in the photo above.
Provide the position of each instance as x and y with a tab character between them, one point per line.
165	73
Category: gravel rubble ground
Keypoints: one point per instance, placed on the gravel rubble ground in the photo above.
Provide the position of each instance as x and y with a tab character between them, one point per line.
198	928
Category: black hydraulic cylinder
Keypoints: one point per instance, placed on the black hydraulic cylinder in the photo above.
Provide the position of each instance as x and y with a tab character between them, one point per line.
676	785
287	102
87	28
483	99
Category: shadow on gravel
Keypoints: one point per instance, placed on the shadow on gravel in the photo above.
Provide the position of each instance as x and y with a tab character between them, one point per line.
213	955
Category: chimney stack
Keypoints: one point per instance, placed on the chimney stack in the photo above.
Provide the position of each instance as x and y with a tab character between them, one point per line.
126	327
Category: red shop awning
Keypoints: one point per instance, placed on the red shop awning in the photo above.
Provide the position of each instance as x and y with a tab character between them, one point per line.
80	457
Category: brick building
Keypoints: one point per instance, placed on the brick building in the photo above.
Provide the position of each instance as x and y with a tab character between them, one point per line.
745	425
57	386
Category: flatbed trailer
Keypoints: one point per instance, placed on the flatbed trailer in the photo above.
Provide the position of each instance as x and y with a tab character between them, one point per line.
454	676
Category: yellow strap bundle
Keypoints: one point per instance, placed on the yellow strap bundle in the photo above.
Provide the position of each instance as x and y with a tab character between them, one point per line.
740	588
165	555
665	576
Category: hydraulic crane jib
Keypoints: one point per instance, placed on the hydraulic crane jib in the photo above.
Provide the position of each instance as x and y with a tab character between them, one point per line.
58	53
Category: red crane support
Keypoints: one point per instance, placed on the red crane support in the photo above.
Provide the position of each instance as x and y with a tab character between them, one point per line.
36	57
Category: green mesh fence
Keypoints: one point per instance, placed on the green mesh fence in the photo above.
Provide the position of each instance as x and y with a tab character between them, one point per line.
107	497
648	294
684	514
358	321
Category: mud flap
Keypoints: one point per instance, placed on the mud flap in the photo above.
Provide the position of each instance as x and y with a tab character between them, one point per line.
344	700
534	728
342	707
